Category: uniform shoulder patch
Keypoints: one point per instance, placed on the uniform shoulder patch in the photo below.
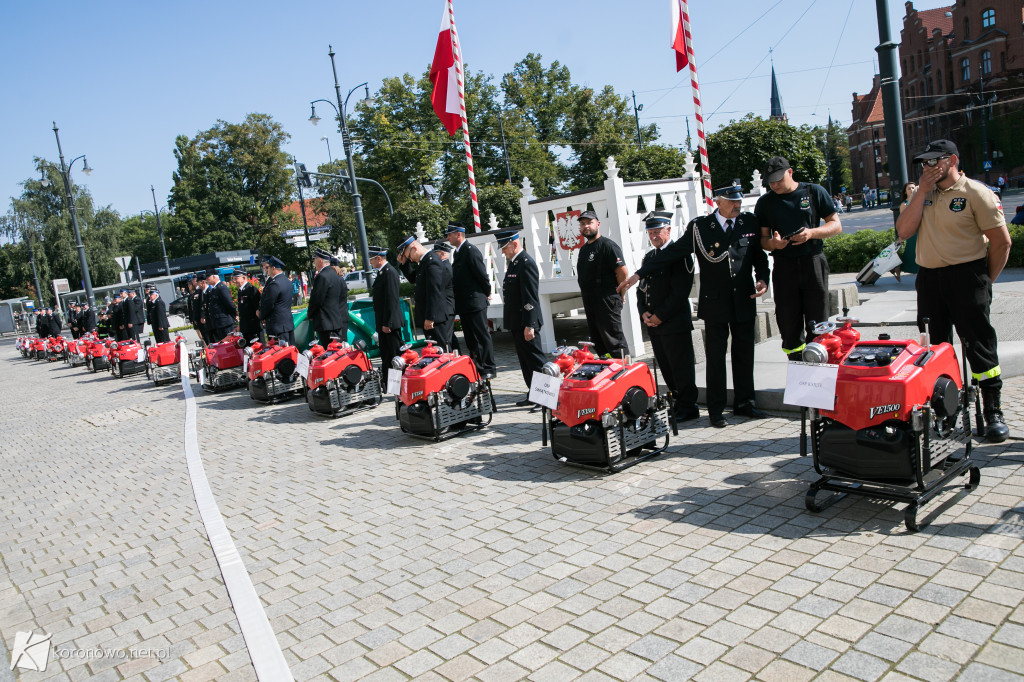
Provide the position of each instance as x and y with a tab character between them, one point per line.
958	204
805	202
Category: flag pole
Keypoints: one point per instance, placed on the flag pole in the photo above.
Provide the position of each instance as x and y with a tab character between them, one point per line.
698	112
460	78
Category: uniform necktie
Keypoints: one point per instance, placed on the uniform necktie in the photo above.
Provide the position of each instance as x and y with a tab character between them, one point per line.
728	224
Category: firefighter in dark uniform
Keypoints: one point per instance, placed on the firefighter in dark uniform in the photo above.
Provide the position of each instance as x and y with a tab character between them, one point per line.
158	317
472	292
599	270
42	324
87	319
325	313
196	311
136	317
790	215
434	298
73	319
276	304
248	305
220	309
664	306
522	316
962	246
387	307
118	316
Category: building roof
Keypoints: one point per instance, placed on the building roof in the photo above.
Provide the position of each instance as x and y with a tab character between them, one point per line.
777	112
314	218
867	109
936	18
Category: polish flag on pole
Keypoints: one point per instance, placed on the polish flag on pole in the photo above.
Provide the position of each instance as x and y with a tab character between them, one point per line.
682	45
449	96
445	96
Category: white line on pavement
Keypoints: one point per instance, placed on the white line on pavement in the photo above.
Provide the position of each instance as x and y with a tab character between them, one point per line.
264	649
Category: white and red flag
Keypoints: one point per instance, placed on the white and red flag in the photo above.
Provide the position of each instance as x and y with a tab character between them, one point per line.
682	45
443	75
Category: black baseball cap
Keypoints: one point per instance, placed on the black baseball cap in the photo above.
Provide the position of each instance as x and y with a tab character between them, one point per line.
937	149
776	168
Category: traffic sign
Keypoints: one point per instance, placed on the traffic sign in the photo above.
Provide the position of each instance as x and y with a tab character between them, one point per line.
323	229
987	165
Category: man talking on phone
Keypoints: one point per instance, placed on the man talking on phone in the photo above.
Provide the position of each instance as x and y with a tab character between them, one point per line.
791	216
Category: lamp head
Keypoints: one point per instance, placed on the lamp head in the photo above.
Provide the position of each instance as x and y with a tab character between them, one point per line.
44	180
313	118
367	101
85	167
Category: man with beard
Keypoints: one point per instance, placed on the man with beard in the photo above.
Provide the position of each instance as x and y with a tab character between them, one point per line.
600	269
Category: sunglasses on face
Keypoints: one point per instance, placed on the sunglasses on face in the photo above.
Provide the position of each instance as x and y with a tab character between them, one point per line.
931	163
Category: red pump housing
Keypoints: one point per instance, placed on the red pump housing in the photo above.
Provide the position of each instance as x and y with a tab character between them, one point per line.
271	372
340	379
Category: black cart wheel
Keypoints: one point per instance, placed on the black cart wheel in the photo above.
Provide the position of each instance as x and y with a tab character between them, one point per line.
809	503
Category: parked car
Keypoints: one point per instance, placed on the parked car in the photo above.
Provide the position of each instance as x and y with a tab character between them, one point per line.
356	280
179	306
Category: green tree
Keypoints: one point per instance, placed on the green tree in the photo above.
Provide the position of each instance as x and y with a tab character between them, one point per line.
652	162
138	236
502	200
831	139
735	151
230	187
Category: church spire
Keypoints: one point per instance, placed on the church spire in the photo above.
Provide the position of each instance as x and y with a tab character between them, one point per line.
778	114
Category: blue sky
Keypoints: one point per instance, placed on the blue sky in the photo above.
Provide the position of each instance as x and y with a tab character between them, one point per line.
122	79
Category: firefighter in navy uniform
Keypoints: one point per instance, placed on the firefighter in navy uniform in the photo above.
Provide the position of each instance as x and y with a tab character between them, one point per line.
325	311
962	246
664	306
135	315
600	269
472	291
220	309
521	292
276	304
435	299
87	319
790	215
248	305
73	319
158	317
387	307
196	305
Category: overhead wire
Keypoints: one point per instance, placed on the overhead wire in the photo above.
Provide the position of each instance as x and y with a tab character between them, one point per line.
834	53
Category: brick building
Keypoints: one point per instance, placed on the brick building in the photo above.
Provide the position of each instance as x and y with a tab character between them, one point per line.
952	59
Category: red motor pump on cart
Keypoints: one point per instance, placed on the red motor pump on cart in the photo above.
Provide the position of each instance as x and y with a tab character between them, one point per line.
341	379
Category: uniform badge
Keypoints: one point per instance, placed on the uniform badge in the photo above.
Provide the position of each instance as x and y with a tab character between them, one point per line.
805	202
528	307
590	257
958	204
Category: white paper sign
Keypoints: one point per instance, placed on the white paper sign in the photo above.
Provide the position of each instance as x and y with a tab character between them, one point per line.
544	390
201	374
811	385
394	381
141	357
302	366
245	364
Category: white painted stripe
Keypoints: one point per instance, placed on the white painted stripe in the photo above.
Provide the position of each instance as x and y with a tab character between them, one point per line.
264	649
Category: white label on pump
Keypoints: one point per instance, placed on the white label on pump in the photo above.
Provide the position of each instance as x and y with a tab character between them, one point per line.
544	390
394	381
302	366
811	385
245	364
141	357
202	376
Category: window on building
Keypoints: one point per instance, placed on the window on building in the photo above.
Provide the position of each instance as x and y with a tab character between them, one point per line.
965	70
988	18
986	62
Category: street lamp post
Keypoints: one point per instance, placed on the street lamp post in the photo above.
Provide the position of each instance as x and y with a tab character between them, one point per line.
636	116
357	204
330	159
160	231
65	174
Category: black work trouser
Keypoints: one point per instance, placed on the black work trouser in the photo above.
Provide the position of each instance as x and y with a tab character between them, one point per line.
161	335
325	335
442	334
960	296
801	298
604	319
674	355
478	339
716	339
531	357
389	344
217	334
284	338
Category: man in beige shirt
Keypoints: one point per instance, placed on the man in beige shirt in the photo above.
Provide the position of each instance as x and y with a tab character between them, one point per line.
962	246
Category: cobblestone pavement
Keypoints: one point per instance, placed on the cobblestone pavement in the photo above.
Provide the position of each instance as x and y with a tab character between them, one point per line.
382	557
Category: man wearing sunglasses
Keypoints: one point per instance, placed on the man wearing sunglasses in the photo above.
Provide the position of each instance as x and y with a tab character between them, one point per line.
962	246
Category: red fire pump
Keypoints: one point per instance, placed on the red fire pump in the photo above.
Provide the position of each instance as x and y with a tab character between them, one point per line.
271	370
126	357
221	366
96	357
163	360
443	394
56	349
74	352
610	414
901	426
341	379
19	345
38	348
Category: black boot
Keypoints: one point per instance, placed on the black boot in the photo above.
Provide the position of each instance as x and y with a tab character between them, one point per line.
996	430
